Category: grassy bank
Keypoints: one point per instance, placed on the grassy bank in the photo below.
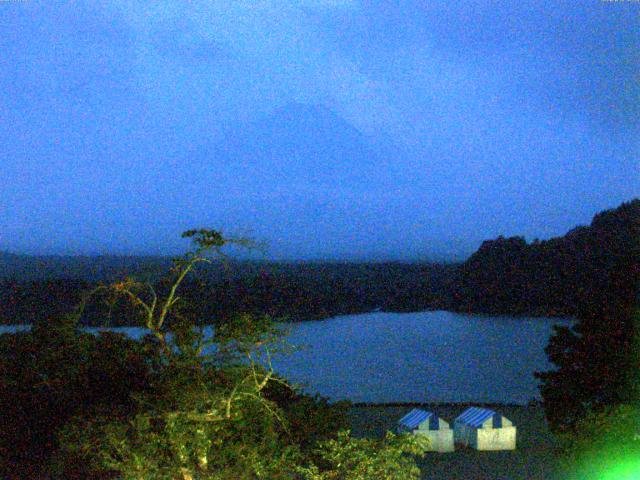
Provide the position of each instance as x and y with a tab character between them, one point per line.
533	459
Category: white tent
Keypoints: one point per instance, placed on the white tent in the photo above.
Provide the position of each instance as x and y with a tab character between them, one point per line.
484	429
420	422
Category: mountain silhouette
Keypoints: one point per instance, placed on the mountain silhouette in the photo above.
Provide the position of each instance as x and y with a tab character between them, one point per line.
306	147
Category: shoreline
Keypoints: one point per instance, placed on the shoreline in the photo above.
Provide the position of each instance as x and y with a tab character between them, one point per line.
288	320
532	403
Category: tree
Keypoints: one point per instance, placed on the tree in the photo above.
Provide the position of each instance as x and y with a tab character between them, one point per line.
54	372
347	458
597	359
217	409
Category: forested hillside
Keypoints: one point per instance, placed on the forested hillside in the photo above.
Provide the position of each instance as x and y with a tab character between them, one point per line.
562	276
294	291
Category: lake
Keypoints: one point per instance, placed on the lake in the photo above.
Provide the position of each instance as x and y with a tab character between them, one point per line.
418	357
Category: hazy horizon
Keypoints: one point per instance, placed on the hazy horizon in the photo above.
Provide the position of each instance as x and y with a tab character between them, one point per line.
242	255
332	130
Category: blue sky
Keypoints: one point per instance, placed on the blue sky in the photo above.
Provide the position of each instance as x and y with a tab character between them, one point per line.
329	129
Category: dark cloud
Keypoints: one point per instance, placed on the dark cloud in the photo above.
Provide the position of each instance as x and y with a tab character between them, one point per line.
330	128
579	56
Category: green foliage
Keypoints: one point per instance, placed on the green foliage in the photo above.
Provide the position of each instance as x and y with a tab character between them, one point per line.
348	458
186	442
206	413
178	404
309	419
205	238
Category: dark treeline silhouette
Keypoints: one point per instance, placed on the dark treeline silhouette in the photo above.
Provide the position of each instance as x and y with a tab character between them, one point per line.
106	268
291	291
574	275
563	276
593	275
597	361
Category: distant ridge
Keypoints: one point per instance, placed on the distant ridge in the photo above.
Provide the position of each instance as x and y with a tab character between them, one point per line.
590	269
20	267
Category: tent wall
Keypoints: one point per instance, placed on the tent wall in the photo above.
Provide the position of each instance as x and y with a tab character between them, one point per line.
496	438
440	440
465	435
485	438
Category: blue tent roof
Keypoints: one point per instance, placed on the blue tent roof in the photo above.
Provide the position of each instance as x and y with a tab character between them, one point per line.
414	418
475	416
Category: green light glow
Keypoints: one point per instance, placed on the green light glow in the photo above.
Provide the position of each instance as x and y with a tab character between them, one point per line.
608	467
607	446
626	470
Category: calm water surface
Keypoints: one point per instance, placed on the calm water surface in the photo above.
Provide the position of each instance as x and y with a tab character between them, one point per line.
416	357
420	357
